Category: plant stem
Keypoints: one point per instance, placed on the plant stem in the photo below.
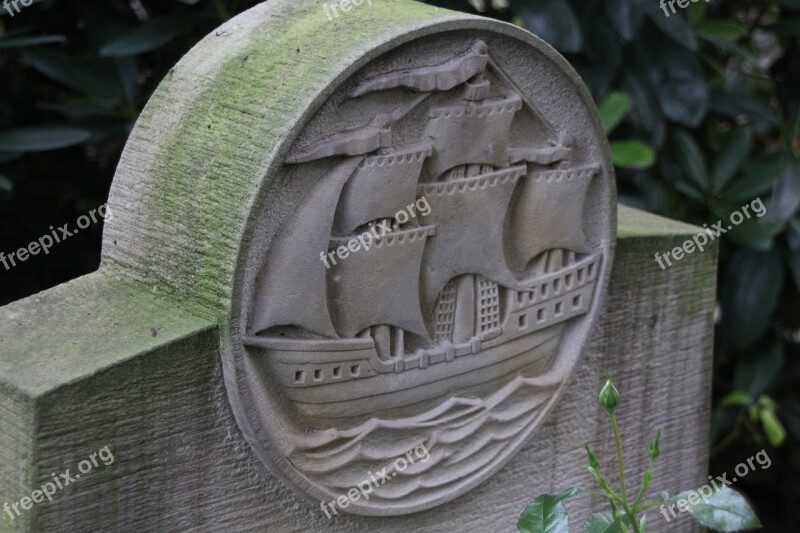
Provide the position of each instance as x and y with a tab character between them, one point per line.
729	439
618	441
610	495
644	485
650	503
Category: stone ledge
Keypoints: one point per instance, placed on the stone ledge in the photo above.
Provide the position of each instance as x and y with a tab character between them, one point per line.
69	386
79	328
70	332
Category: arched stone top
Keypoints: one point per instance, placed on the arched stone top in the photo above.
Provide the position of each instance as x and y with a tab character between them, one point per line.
243	156
218	127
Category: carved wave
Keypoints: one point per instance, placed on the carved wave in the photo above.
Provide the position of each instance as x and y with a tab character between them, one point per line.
464	437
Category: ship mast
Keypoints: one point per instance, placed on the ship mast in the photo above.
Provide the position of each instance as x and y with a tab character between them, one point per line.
452	260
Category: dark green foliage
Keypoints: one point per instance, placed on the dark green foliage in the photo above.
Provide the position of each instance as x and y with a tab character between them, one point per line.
703	110
717	508
714	90
75	76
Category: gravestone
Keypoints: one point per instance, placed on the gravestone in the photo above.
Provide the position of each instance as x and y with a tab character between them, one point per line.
361	275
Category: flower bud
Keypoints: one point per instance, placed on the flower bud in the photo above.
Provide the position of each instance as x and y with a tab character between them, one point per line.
609	396
593	462
654	450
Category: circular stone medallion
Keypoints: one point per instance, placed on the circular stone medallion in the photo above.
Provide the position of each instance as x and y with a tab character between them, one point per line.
425	263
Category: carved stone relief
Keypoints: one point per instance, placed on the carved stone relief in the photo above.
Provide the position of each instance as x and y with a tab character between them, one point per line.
425	271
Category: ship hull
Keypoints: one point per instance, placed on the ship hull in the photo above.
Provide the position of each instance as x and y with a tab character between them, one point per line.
407	392
333	382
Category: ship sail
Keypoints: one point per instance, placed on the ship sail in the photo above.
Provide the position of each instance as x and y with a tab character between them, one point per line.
362	292
470	133
380	187
547	214
468	173
351	143
441	77
469	215
293	275
358	141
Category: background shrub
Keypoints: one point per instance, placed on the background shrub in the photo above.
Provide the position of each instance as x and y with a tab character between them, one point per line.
702	108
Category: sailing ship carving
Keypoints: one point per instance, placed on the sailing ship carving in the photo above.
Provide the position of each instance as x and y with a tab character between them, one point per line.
477	290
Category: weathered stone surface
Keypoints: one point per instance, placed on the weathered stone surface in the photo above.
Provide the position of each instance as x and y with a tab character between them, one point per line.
228	191
150	356
181	463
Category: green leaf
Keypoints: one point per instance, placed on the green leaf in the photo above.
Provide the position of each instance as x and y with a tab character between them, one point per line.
757	178
603	522
675	26
730	30
753	235
546	514
758	368
613	109
738	398
785	196
676	76
786	28
600	62
730	46
31	40
773	429
5	184
554	21
731	156
79	108
697	13
686	188
127	69
750	289
743	108
632	154
149	36
63	69
793	238
42	138
626	16
691	160
645	112
726	510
